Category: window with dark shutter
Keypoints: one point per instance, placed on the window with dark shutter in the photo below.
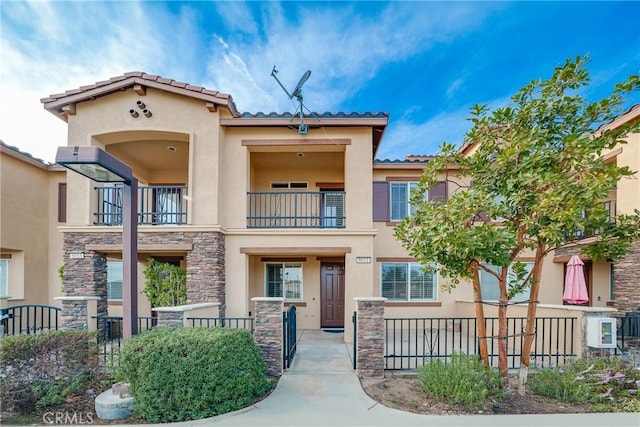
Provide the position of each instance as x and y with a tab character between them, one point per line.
62	202
438	192
380	201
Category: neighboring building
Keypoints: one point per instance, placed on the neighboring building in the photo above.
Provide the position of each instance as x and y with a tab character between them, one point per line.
616	284
251	205
32	206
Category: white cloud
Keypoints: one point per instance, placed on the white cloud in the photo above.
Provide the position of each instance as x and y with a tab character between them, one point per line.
343	48
66	45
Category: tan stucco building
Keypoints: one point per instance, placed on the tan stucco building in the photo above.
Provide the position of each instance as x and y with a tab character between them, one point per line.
250	205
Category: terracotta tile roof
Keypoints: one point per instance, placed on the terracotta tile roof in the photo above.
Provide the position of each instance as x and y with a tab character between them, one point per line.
325	115
54	102
22	153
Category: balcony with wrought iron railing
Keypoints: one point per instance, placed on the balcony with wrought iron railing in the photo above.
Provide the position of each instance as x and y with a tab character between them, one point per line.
610	209
296	209
157	205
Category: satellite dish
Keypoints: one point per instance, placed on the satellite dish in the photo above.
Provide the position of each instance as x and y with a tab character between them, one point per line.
296	93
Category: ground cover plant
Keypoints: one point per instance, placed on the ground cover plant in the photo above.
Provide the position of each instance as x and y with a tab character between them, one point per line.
584	385
464	380
41	372
179	374
609	384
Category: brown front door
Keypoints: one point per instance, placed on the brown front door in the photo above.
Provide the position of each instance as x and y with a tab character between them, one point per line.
332	295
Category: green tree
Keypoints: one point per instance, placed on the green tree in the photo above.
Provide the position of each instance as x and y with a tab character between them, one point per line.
538	169
165	285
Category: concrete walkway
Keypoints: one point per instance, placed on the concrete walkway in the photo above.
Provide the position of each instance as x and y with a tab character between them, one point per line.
321	389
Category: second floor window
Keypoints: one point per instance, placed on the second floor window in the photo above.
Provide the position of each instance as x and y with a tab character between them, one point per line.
407	281
284	280
400	196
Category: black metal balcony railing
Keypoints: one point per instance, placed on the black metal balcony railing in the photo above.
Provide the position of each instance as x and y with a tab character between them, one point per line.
296	209
157	205
610	208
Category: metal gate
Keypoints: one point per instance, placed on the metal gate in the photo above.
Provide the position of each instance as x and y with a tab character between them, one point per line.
289	336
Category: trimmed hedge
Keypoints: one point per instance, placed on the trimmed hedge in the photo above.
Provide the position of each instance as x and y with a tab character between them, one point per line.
179	374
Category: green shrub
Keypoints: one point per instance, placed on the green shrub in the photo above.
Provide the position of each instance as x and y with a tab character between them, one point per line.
41	370
464	380
179	374
611	384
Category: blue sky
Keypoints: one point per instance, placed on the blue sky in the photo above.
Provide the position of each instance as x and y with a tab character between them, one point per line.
425	63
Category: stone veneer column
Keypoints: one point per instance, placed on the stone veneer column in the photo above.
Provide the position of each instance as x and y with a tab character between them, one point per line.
370	337
78	312
205	269
268	332
83	277
626	281
179	316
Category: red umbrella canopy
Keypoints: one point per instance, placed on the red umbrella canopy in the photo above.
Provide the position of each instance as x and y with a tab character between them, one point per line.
575	286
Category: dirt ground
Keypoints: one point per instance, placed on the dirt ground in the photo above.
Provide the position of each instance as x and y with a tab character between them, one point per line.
403	392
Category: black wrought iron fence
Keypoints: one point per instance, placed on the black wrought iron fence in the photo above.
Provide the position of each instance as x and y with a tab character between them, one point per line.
110	335
223	322
410	342
28	319
289	334
628	332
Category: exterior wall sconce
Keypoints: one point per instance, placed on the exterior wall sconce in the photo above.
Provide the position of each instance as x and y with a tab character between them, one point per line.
141	105
146	112
133	113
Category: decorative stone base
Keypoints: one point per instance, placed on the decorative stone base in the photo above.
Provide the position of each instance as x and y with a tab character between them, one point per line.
114	404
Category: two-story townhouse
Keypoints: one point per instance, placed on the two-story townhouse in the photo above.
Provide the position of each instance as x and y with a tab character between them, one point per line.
246	203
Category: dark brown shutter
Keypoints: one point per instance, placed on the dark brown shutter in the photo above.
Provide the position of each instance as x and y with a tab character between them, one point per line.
438	192
62	202
380	201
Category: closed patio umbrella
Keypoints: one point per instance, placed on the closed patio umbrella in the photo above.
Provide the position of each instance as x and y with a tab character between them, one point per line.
575	287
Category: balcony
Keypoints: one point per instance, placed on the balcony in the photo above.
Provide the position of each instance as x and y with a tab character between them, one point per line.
610	209
296	209
157	205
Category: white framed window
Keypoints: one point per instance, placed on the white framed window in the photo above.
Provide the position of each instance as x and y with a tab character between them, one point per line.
491	289
294	185
407	281
284	280
400	194
4	277
114	280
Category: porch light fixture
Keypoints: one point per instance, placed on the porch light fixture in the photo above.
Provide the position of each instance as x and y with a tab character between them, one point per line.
98	165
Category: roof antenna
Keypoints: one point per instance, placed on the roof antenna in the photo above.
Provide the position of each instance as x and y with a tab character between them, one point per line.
297	94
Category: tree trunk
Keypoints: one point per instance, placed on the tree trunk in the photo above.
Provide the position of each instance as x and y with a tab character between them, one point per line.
503	329
481	329
531	319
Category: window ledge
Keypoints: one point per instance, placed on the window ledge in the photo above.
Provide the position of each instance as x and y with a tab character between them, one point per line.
296	303
413	304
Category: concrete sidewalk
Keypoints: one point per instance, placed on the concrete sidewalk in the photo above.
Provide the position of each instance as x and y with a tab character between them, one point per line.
322	389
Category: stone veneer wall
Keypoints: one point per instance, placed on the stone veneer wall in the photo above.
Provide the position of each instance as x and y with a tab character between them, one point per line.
88	276
268	333
370	337
626	281
82	277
